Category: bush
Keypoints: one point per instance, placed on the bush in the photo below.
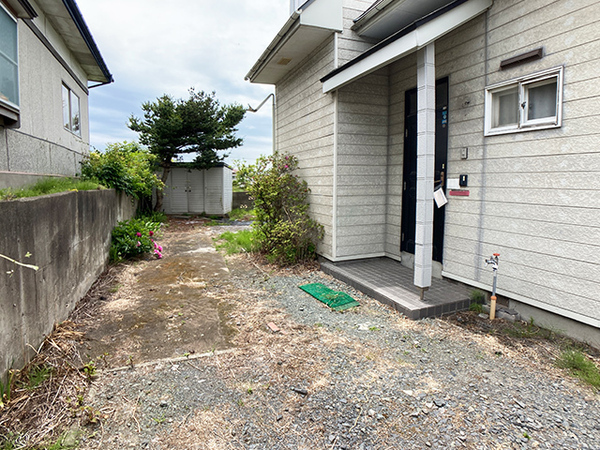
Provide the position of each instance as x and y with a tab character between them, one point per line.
125	166
284	230
135	237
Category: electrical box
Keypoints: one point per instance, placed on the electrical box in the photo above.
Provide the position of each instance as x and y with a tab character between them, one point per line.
463	180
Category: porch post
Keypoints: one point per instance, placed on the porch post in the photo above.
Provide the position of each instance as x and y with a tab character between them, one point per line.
425	165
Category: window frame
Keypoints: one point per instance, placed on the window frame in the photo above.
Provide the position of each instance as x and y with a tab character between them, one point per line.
524	84
9	109
69	126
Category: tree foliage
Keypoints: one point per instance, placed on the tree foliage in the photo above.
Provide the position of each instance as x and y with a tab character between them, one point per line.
285	231
199	125
124	166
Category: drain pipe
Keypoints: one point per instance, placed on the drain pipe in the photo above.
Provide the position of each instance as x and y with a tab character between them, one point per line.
253	110
493	261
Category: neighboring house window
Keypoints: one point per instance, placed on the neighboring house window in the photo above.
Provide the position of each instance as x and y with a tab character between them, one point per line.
528	103
9	67
71	117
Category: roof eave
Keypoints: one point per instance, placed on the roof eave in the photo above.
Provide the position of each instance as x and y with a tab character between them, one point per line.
86	35
277	42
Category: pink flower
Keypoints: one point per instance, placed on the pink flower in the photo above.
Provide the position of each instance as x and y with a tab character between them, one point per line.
158	254
138	234
155	244
286	166
151	233
138	244
160	248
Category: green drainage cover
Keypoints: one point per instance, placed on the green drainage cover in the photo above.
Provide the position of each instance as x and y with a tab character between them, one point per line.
337	301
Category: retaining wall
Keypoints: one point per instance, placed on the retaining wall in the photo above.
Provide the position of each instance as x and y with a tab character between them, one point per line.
68	236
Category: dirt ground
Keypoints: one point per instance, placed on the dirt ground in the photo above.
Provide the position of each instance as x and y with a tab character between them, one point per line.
161	308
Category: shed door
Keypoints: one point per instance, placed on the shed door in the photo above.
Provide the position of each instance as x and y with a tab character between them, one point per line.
196	191
178	191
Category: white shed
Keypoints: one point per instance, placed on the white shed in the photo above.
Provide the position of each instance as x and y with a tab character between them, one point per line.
194	191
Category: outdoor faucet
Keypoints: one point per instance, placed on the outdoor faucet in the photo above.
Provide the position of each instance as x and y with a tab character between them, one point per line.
493	261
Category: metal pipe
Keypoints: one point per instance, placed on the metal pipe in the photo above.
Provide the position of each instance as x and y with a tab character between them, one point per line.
251	109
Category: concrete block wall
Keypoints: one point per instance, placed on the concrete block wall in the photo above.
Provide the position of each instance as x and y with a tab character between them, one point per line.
68	236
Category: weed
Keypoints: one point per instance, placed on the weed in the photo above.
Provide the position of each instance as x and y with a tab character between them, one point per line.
115	289
37	375
374	328
240	242
89	370
160	419
5	389
580	366
477	296
51	185
242	214
240	402
526	435
318	325
476	307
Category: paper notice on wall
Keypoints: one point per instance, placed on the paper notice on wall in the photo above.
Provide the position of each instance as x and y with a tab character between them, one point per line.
439	197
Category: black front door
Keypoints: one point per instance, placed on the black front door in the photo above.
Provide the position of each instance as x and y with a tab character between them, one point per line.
409	193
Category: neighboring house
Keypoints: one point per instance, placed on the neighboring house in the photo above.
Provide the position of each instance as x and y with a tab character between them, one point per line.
494	101
47	60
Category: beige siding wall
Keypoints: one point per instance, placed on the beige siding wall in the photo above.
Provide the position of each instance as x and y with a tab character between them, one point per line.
363	114
532	193
305	124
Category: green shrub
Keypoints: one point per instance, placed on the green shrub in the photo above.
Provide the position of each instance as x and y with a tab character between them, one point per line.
125	166
285	232
135	237
49	185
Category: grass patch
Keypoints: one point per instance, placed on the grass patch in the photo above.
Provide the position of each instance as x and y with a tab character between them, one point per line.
242	214
47	186
239	242
580	366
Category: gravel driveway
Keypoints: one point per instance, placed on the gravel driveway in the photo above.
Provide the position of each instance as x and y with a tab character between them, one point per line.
366	378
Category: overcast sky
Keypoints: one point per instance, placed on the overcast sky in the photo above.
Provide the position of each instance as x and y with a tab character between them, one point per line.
155	47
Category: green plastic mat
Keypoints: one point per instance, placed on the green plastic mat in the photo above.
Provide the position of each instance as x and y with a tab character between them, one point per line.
338	301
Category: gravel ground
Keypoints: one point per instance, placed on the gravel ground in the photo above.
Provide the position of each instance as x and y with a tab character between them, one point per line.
366	378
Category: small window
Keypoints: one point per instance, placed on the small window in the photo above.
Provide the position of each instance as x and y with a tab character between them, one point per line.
9	67
71	115
530	103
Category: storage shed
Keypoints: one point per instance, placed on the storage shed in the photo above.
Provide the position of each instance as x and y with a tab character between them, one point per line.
194	191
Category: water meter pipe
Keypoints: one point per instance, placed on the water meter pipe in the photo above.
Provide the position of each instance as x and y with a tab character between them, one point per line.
494	263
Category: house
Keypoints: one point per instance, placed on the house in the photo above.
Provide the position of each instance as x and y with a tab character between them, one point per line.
48	63
491	102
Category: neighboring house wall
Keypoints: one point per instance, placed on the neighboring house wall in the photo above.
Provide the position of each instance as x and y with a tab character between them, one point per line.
305	127
41	144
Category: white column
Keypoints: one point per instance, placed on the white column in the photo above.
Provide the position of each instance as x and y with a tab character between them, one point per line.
425	165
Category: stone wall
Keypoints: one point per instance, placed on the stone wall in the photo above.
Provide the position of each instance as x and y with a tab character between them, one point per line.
68	237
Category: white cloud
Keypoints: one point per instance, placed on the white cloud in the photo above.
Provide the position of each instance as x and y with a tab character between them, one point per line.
154	47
